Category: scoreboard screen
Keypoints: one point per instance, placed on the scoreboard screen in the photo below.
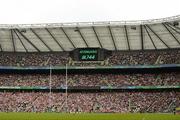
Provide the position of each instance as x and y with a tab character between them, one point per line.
88	54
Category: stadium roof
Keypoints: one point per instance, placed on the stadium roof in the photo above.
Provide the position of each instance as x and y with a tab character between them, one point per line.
116	35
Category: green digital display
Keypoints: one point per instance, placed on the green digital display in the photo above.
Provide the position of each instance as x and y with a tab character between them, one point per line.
88	54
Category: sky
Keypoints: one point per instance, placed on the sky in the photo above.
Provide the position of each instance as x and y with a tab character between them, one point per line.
61	11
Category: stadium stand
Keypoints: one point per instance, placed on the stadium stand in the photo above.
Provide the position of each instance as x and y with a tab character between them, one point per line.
117	58
145	58
33	59
134	67
163	79
88	102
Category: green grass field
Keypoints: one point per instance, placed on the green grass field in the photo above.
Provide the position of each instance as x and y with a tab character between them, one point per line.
86	116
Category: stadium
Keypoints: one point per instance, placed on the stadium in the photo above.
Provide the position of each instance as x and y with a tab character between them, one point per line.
91	70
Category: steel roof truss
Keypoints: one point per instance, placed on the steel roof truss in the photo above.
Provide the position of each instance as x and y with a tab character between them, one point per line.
150	37
142	37
12	39
27	40
82	36
172	27
171	33
33	31
112	37
54	39
68	37
127	38
20	41
157	36
97	37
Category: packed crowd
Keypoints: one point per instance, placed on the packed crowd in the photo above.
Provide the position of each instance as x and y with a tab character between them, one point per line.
89	102
145	58
33	59
57	80
117	58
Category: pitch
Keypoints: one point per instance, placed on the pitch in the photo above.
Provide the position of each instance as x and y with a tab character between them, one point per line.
86	116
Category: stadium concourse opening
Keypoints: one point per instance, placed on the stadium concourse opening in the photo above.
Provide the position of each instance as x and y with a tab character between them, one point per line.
91	68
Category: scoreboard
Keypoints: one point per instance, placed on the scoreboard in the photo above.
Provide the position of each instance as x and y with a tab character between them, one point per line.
89	54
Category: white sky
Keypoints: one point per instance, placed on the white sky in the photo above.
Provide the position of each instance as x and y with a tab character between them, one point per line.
57	11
